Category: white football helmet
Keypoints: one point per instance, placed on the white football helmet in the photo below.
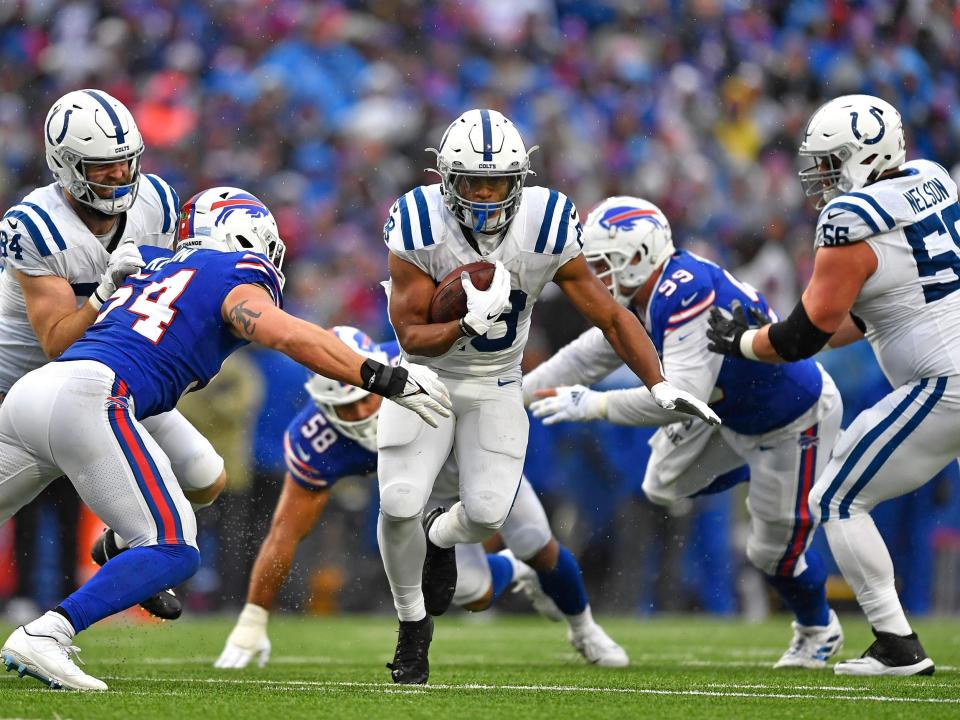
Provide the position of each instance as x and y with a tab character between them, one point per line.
626	239
851	140
229	219
89	127
328	393
482	144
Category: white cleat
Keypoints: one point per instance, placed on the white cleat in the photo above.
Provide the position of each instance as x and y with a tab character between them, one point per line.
598	648
48	660
813	645
525	581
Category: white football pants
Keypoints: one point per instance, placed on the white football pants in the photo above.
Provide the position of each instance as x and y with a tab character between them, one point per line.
784	465
76	419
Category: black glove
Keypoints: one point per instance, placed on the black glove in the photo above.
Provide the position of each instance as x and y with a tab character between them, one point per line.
725	332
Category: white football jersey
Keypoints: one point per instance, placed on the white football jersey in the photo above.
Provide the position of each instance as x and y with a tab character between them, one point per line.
42	235
543	236
911	304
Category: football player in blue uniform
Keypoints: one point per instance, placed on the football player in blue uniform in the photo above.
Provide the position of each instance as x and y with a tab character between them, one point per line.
68	245
165	331
887	267
780	421
335	436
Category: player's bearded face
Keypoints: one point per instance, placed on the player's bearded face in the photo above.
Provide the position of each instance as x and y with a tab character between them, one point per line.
107	175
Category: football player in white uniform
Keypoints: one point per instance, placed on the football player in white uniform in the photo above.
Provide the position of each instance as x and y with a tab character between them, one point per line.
781	421
335	436
479	211
887	266
68	245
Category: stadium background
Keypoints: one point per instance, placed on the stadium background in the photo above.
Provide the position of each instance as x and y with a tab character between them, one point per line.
323	110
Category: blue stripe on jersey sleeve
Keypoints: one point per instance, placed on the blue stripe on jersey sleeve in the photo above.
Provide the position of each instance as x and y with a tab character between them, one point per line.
426	231
884	215
32	230
48	221
857	210
405	224
164	203
562	229
547	221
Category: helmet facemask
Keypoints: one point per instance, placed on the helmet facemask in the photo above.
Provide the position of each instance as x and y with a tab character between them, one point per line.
825	177
613	269
483	217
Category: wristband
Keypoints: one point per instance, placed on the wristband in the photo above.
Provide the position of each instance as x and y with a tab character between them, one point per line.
746	344
466	330
385	380
96	302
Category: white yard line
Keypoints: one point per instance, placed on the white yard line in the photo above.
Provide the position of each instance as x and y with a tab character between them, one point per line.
418	689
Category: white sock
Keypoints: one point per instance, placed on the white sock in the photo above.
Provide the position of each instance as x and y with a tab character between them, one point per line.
403	548
52	624
120	542
865	562
455	528
579	623
518	565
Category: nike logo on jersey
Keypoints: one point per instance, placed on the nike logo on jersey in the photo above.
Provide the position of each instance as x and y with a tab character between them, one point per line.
501	382
13	223
301	454
681	338
687	301
494	316
832	215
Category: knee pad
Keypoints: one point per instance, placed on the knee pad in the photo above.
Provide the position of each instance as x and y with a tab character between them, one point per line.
400	500
487	509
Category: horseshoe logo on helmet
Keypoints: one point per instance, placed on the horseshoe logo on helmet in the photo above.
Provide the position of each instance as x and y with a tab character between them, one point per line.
878	114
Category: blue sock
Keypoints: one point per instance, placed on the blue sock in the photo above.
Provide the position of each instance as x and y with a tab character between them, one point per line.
805	594
501	574
127	579
564	584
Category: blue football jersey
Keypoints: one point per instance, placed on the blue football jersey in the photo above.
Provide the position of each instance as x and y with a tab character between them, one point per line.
162	331
317	454
755	397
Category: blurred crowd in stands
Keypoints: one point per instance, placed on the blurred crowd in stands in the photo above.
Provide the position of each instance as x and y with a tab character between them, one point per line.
323	109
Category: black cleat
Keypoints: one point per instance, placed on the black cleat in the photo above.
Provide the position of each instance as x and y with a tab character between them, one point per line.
410	664
439	570
889	655
164	605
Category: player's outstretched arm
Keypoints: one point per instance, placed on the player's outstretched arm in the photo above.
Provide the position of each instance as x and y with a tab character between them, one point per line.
296	514
251	313
824	310
627	336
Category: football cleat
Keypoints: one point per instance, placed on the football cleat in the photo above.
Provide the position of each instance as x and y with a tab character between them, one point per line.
597	647
411	665
889	655
48	660
439	570
164	605
813	645
525	581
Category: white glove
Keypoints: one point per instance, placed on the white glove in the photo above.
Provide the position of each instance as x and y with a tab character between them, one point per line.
485	306
249	638
424	394
671	398
123	261
576	403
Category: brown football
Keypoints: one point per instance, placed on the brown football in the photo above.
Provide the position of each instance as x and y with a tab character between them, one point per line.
449	300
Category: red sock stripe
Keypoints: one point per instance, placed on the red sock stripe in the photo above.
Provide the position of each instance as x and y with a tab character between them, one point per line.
168	531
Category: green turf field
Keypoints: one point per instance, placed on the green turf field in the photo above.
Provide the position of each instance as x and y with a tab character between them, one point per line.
507	667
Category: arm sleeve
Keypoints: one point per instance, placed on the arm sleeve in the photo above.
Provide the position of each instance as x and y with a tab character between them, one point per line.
407	231
586	360
687	364
31	243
